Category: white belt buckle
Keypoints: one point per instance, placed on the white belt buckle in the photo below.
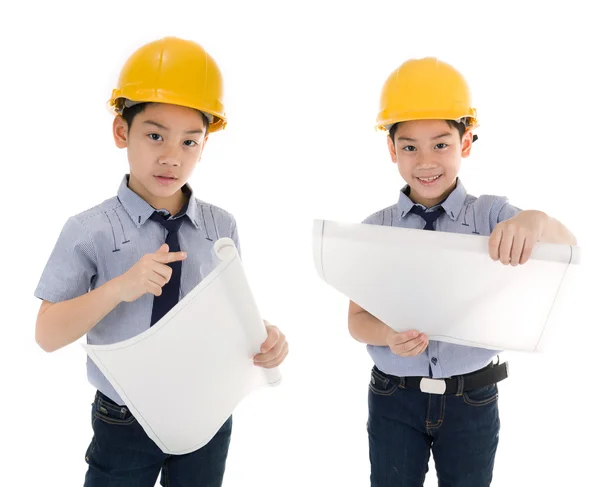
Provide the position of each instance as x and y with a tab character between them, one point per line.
433	386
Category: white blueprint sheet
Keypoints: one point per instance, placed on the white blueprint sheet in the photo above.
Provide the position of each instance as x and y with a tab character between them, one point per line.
444	284
184	376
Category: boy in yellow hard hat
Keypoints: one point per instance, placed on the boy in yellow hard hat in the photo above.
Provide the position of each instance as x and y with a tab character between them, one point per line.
426	110
120	266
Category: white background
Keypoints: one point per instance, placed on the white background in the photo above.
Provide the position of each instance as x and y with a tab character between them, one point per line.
302	91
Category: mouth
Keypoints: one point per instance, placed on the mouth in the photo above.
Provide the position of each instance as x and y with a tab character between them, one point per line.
165	179
428	180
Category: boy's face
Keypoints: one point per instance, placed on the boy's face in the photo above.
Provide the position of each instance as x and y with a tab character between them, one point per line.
164	144
428	155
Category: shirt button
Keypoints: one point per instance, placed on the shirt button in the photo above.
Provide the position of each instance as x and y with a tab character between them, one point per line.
434	360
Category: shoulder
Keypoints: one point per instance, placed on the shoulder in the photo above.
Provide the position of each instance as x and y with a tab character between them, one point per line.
381	217
215	219
215	211
491	208
96	216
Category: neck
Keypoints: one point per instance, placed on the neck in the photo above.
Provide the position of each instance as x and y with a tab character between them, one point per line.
172	204
429	202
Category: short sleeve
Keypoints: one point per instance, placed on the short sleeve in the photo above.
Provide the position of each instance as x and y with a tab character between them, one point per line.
71	267
379	218
235	237
502	210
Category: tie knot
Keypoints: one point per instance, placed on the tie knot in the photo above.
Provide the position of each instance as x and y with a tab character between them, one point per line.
428	216
171	225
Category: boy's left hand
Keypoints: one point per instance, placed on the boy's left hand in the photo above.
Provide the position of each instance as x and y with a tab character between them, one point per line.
512	240
273	350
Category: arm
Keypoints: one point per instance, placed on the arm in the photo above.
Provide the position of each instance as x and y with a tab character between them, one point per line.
365	328
554	231
512	240
62	323
59	324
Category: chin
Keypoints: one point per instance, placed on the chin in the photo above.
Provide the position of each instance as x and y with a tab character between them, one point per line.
434	193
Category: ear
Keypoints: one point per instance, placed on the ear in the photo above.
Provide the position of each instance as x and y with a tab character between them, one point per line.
202	148
120	131
392	149
467	144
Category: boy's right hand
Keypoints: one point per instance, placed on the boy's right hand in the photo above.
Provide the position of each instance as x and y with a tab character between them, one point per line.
148	275
407	343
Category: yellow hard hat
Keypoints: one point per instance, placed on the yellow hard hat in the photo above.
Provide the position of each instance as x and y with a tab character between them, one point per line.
425	89
174	71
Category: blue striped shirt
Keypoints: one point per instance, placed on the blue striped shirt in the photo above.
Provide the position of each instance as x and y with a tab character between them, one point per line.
105	241
463	213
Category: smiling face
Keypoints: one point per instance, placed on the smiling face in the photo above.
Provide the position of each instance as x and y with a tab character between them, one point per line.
164	143
428	154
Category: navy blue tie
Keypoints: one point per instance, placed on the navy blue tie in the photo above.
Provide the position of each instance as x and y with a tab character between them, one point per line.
170	291
428	216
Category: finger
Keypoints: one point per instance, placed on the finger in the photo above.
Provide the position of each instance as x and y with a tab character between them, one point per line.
163	270
404	337
155	289
417	350
272	339
494	243
517	249
274	362
527	250
165	258
157	279
271	353
271	358
424	347
410	346
506	245
163	248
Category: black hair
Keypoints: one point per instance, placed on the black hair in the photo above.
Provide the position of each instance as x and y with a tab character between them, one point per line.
452	123
129	113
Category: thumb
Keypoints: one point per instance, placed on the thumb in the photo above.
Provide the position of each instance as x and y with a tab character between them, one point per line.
163	248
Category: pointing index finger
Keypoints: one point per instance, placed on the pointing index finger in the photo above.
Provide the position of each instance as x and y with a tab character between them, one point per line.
169	257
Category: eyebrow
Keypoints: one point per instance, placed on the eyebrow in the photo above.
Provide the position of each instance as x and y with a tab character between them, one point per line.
408	139
189	132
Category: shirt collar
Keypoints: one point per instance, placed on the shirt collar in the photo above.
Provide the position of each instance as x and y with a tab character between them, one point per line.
140	210
452	205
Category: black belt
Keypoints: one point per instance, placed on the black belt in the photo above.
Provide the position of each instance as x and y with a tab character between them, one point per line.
489	375
107	399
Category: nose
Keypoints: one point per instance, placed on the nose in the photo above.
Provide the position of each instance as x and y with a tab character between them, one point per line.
169	157
426	161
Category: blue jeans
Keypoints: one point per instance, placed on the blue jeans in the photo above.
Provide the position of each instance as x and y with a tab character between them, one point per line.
406	424
122	455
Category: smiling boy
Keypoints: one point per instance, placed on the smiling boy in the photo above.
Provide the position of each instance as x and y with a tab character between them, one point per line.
426	109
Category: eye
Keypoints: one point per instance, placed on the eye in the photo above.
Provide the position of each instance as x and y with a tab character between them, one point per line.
409	148
441	145
190	143
155	137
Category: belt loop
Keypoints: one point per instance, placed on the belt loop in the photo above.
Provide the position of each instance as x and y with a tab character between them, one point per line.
461	385
402	382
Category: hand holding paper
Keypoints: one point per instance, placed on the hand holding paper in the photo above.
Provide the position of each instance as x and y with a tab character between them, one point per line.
408	343
273	350
197	361
512	240
444	284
